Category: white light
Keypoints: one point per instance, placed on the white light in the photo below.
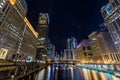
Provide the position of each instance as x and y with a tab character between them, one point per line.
14	60
94	39
116	42
57	68
2	4
23	60
12	76
42	39
44	55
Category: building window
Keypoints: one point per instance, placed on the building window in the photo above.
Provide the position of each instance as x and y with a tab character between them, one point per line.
115	25
85	54
88	48
104	14
111	57
118	21
116	2
117	57
83	48
113	4
109	9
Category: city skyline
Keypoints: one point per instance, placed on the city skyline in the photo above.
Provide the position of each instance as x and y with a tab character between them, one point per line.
67	18
53	45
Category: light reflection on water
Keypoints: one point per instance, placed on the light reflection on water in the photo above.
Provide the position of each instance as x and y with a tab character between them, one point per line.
76	74
95	75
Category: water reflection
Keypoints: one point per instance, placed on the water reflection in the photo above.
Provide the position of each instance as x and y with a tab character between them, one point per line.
70	73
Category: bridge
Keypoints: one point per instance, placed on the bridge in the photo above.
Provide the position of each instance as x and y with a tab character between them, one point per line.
62	62
19	70
22	70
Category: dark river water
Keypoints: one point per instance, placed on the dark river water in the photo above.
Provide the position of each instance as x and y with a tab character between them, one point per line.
73	73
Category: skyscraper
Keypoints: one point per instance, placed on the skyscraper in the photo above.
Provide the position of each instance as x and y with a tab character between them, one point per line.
16	31
95	48
71	45
42	30
12	14
107	47
111	15
83	51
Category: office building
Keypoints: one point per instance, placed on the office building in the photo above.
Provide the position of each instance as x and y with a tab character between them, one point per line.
95	48
83	52
71	45
29	41
14	29
107	47
111	15
17	37
11	26
42	29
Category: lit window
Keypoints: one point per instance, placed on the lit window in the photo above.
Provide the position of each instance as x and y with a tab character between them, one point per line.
116	42
117	3
118	21
109	8
0	6
2	3
94	39
113	4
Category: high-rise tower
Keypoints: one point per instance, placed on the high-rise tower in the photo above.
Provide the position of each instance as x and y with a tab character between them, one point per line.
71	45
17	37
111	15
42	28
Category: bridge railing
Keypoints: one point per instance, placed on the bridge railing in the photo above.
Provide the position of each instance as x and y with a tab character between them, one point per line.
61	62
18	69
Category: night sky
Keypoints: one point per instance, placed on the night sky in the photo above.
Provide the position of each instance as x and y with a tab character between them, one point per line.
68	18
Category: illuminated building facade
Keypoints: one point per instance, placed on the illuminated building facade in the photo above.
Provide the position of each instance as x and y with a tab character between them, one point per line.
42	30
79	55
47	52
14	29
95	48
71	45
111	15
107	47
83	51
51	50
29	42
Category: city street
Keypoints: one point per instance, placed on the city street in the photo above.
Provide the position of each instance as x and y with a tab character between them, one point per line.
72	73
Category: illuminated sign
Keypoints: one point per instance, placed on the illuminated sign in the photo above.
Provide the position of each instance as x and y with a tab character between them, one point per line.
29	59
3	53
12	2
30	27
109	8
